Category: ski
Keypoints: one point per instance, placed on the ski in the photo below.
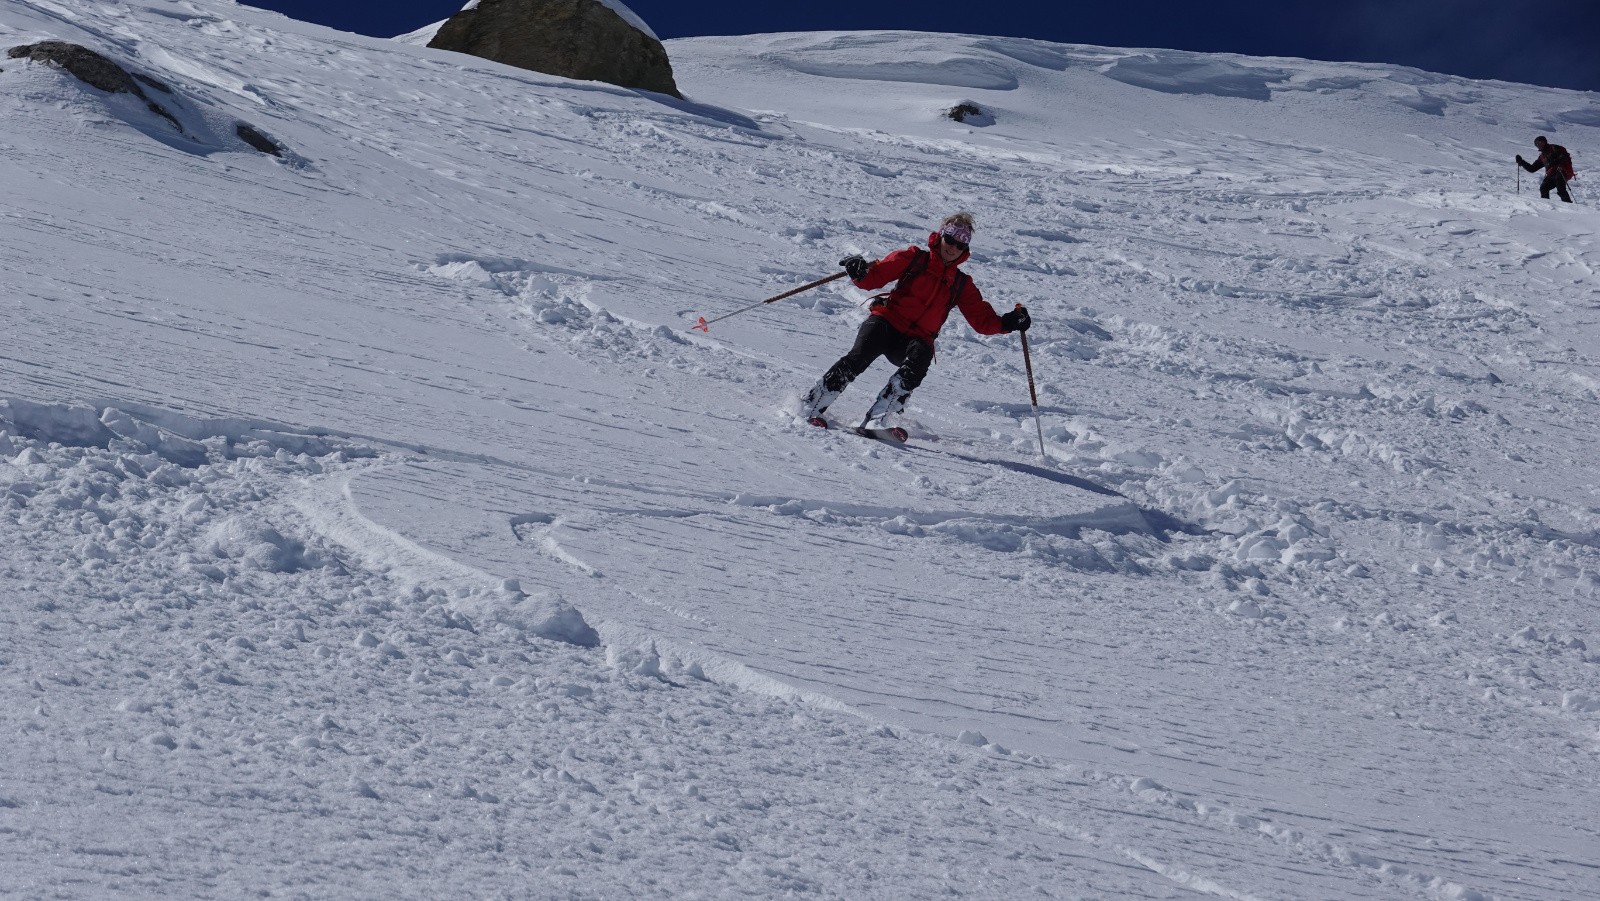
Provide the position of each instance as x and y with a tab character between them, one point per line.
891	435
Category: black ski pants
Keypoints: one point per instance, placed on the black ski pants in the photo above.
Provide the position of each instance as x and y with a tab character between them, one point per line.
1554	179
877	338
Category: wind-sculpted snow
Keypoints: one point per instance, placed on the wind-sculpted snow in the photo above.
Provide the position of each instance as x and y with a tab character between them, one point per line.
957	73
1186	74
374	520
1589	115
917	62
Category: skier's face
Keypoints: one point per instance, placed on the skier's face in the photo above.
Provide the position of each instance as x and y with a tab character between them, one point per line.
950	250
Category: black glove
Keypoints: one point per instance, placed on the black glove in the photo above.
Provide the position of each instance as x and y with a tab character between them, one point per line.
1017	320
1521	161
855	266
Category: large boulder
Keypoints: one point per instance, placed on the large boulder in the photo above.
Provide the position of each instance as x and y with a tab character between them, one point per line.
585	39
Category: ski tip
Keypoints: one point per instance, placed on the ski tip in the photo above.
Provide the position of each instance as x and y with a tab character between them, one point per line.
893	434
701	325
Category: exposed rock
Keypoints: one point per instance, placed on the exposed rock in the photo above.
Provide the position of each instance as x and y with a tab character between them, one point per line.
256	139
89	66
970	113
100	72
94	70
572	38
152	82
961	111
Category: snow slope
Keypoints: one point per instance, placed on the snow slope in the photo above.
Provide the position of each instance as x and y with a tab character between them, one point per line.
374	521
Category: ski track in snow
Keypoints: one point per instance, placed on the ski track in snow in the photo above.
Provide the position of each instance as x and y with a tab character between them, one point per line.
374	522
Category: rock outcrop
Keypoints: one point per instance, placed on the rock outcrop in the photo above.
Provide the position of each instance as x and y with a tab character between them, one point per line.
95	71
572	38
102	73
969	113
251	135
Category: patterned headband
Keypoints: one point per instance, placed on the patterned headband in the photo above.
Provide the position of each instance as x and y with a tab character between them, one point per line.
957	231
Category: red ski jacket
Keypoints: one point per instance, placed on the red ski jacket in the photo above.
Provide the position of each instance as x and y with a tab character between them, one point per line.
1555	158
919	305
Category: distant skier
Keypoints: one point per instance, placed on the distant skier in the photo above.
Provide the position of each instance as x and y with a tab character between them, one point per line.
904	322
1557	165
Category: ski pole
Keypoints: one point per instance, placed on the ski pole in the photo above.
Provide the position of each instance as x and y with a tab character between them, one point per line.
705	326
1033	393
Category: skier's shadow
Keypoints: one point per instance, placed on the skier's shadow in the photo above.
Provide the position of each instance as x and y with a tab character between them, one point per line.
1161	523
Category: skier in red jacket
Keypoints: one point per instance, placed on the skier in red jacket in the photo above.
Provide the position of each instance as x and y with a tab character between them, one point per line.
903	324
1557	165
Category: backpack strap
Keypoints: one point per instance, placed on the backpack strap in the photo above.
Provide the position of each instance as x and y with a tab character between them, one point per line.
918	264
957	285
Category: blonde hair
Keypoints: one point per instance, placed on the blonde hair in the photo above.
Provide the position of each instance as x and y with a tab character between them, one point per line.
962	218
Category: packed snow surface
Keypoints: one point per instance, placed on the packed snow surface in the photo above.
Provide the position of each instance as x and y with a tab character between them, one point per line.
373	522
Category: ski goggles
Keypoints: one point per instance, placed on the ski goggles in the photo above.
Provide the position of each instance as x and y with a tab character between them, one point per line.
956	235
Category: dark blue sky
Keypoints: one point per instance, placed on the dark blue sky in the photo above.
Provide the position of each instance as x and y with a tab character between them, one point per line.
1545	42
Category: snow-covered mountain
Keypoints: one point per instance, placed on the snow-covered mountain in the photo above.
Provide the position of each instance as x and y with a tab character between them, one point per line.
373	522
